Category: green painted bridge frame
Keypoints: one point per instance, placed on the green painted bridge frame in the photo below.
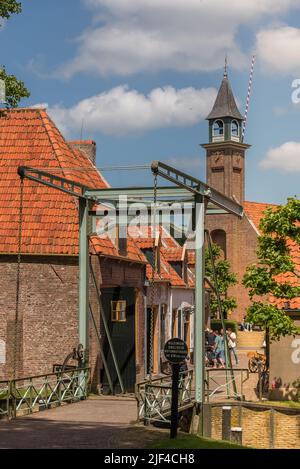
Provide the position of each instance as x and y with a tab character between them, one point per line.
186	189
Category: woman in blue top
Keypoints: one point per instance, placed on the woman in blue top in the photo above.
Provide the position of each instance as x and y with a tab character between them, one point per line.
220	348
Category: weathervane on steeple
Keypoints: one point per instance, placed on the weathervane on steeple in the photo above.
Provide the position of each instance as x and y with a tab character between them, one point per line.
226	67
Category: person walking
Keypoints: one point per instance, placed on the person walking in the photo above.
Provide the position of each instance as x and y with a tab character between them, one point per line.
210	355
231	337
220	348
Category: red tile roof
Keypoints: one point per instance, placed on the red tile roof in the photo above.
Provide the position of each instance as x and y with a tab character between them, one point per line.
255	212
170	250
50	217
105	247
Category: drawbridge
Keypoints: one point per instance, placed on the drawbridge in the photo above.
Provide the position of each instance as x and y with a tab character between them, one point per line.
184	189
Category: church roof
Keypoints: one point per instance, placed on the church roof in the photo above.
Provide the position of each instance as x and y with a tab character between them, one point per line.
225	105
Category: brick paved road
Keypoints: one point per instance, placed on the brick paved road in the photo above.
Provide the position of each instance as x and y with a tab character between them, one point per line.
100	422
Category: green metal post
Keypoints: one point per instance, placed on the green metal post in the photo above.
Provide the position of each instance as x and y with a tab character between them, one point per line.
199	321
84	280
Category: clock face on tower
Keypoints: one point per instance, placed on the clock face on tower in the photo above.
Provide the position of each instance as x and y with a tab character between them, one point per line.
217	159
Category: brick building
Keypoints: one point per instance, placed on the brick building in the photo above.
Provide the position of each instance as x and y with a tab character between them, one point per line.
225	157
173	292
39	319
39	313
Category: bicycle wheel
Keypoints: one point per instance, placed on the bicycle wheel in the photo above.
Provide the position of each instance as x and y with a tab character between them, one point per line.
253	365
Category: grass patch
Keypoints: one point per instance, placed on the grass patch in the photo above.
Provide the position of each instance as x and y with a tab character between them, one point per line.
291	404
185	441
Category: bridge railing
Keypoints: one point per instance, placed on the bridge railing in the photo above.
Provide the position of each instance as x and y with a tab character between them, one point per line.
33	393
154	397
220	383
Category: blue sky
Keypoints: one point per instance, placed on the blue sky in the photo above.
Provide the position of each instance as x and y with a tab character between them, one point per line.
141	75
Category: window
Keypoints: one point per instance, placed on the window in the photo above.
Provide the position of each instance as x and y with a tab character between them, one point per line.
118	311
218	128
219	237
235	130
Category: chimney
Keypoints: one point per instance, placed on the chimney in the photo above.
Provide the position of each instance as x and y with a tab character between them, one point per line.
86	146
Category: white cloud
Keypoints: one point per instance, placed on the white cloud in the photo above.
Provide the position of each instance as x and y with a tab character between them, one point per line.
130	36
121	111
285	158
279	50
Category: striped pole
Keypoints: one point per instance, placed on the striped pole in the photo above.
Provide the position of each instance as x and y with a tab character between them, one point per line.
248	97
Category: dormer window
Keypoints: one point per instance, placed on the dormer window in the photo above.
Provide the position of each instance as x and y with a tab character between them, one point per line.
235	130
218	131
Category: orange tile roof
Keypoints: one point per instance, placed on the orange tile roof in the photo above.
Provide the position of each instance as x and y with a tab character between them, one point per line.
170	250
82	142
167	274
191	257
50	217
105	247
255	212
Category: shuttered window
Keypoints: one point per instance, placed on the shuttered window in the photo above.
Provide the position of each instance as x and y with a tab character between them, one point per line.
118	311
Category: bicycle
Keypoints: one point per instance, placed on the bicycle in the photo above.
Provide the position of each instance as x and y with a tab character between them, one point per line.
257	361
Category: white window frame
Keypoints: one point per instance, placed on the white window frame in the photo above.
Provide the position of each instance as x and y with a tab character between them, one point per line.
218	138
235	138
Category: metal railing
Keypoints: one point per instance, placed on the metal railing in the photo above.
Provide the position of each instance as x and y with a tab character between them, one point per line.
219	383
154	397
34	393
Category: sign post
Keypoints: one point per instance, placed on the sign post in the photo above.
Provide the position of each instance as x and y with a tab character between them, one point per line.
176	351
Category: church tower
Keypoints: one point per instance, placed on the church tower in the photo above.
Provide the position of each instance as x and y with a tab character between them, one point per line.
225	152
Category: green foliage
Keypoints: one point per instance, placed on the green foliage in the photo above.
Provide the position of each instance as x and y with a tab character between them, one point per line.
296	385
268	316
15	89
9	7
216	325
225	277
274	259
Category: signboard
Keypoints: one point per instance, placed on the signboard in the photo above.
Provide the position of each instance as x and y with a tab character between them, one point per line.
176	351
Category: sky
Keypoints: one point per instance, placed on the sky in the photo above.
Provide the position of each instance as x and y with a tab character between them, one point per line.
140	76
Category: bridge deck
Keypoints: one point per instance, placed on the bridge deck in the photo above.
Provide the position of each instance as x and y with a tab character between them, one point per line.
99	422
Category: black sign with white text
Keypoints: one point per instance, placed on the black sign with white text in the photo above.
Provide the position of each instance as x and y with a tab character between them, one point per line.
176	351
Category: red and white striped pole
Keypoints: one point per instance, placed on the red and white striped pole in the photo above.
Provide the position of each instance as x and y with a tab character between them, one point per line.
248	97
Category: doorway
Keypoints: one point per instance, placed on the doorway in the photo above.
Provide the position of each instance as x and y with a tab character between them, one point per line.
119	309
155	344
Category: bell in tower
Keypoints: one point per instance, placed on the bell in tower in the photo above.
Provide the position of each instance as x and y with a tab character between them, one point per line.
226	149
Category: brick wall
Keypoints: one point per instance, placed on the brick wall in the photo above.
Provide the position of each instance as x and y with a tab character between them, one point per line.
263	427
241	245
48	311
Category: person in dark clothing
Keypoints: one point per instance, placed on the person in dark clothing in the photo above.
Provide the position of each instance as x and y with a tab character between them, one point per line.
210	355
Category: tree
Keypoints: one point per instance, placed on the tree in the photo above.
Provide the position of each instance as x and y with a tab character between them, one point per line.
225	279
9	7
15	89
268	277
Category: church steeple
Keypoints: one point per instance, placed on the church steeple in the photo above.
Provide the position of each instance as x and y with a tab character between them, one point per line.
226	150
225	119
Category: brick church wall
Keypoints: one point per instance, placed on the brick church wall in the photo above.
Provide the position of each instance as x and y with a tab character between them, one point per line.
241	243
